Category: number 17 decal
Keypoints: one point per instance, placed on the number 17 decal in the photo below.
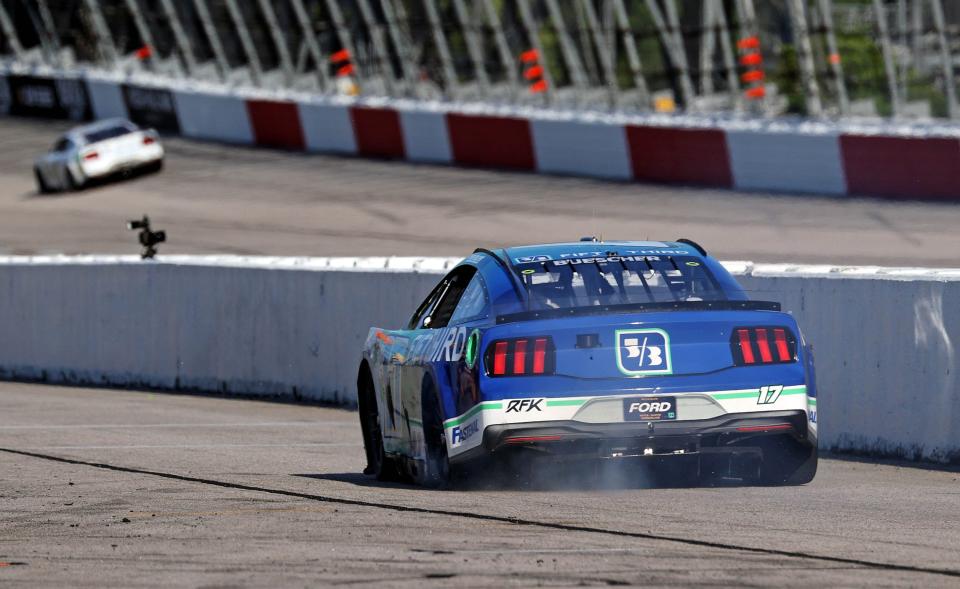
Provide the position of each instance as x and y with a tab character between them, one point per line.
769	394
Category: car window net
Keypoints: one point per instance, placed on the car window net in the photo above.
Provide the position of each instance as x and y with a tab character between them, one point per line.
618	280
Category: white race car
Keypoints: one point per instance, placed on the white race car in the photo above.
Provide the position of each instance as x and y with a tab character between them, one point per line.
97	150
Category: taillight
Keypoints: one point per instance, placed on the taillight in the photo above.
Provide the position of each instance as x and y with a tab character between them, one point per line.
91	155
763	345
523	356
148	140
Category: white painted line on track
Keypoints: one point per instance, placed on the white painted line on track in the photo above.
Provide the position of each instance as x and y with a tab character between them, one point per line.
190	446
174	425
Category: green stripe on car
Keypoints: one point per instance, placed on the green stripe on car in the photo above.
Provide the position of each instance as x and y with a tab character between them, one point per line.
476	409
795	390
566	403
747	394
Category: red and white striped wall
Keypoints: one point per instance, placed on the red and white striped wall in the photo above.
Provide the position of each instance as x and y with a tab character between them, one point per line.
819	158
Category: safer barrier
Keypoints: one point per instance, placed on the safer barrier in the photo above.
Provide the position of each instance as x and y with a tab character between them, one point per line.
294	327
919	160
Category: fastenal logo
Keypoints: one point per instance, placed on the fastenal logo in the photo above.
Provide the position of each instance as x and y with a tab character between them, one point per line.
643	351
461	434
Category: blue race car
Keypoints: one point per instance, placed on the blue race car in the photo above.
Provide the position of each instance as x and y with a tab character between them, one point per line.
606	350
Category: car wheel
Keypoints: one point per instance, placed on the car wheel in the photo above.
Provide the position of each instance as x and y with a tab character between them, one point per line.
435	470
72	183
787	462
379	464
42	186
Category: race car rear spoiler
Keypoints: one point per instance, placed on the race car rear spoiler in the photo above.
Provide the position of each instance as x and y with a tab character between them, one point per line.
640	308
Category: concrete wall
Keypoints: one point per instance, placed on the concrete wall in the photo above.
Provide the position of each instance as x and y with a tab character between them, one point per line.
884	338
886	355
267	328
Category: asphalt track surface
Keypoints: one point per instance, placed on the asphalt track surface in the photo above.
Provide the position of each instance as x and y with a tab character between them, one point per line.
107	488
217	199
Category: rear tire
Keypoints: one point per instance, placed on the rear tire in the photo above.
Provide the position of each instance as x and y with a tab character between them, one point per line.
379	464
435	470
154	167
42	187
787	462
72	183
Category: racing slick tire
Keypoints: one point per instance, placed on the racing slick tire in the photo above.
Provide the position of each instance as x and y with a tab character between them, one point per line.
379	464
72	183
435	470
786	462
154	167
42	187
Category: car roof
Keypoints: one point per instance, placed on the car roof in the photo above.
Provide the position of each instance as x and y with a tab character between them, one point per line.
583	249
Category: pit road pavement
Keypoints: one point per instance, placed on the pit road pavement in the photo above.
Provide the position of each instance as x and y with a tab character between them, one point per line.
218	199
107	488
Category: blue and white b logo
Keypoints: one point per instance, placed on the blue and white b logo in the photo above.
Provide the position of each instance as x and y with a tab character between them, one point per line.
643	351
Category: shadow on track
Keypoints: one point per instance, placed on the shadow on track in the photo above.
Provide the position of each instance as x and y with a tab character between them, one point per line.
117	178
542	475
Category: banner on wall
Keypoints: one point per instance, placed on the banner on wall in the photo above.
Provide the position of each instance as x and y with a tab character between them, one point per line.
33	96
5	98
151	107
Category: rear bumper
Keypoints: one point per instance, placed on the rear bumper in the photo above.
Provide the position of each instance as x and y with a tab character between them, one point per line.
101	169
728	432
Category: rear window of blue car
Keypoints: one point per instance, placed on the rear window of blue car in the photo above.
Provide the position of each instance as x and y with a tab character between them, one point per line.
618	280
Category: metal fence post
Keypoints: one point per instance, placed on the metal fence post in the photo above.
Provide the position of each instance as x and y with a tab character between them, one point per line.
104	42
46	45
946	59
51	29
279	41
808	74
379	44
183	43
346	40
834	57
253	59
633	56
888	58
146	36
533	35
729	59
567	48
10	32
310	40
708	43
213	37
671	39
400	45
440	41
474	48
604	52
503	48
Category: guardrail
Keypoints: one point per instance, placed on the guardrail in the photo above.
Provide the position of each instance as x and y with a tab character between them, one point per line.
294	327
916	160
